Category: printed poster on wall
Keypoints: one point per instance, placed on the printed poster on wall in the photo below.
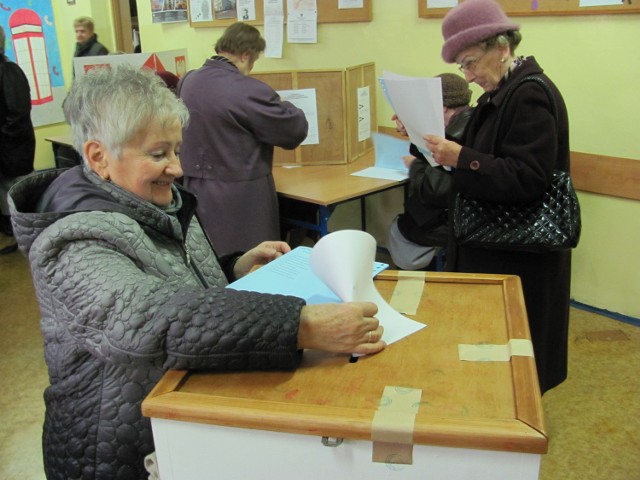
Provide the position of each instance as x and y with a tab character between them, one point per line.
31	42
168	11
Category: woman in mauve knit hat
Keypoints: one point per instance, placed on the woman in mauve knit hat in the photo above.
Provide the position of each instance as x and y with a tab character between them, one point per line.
532	142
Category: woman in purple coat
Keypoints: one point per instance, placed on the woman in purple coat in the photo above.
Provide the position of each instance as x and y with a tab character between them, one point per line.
532	143
227	150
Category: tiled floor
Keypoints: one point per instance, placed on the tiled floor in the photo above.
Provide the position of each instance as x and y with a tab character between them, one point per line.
592	418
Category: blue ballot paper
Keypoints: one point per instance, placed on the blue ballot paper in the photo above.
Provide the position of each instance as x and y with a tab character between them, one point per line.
291	274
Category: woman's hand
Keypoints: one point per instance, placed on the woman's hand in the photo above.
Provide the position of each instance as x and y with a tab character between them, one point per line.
341	328
260	255
408	160
400	128
444	152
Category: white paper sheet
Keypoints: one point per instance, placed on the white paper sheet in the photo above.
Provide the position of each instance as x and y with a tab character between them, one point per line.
343	261
305	100
273	28
340	267
418	103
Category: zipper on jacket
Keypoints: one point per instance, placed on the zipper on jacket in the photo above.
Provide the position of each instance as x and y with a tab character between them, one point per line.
193	266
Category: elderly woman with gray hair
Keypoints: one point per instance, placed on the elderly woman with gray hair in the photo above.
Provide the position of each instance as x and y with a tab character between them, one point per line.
532	142
129	285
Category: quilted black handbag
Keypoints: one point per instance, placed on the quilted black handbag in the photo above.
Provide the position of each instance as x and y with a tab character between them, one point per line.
550	224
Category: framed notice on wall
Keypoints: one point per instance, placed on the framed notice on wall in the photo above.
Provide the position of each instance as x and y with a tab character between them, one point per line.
515	8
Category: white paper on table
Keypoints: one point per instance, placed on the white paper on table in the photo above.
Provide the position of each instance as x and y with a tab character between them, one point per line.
417	101
342	260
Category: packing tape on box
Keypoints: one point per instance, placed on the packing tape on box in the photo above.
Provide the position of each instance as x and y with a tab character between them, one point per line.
393	423
496	353
408	292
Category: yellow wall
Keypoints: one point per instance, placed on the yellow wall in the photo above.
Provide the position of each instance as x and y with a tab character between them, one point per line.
592	59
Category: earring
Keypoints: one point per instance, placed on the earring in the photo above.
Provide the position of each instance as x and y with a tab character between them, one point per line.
502	60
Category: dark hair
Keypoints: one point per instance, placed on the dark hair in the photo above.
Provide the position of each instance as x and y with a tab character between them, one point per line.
511	38
241	38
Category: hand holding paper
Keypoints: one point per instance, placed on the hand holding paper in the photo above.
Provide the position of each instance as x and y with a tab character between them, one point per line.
343	261
418	104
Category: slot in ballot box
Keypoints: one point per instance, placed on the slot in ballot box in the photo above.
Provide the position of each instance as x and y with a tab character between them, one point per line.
479	418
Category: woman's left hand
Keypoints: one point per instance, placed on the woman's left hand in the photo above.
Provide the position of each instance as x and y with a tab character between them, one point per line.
260	255
444	152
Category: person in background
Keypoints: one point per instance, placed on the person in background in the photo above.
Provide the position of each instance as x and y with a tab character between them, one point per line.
416	235
129	285
17	138
170	79
227	152
532	143
87	44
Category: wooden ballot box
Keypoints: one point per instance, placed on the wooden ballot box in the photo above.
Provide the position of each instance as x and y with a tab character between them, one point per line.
478	418
345	101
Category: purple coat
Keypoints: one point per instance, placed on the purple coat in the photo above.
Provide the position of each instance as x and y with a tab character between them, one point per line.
227	152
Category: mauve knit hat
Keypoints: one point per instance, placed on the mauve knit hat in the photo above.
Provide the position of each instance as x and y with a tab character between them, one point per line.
455	90
469	23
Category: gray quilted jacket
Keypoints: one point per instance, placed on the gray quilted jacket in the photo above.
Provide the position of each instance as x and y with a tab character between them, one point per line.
124	297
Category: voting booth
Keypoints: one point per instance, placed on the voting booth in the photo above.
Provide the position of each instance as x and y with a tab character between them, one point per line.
458	399
341	119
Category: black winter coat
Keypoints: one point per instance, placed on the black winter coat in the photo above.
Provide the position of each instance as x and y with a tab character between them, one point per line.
531	145
17	138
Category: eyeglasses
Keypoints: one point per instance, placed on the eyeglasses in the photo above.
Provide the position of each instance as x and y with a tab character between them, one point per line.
470	65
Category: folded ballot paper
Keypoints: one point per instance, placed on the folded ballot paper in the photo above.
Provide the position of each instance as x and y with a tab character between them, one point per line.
389	163
339	268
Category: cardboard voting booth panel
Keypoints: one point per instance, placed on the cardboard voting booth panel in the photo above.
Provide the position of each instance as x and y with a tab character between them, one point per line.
344	113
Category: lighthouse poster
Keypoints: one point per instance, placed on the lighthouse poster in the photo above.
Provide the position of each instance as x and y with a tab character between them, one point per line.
31	42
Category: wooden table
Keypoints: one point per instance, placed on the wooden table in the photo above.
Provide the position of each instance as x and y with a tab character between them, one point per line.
476	419
326	186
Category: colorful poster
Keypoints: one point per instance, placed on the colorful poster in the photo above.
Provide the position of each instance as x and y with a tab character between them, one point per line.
31	42
167	11
174	61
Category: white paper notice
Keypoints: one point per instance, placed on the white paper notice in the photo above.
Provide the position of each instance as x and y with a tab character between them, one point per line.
305	100
273	35
418	103
343	4
597	3
200	11
342	260
441	3
302	21
364	114
246	10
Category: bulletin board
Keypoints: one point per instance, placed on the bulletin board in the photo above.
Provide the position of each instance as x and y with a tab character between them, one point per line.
328	12
519	8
